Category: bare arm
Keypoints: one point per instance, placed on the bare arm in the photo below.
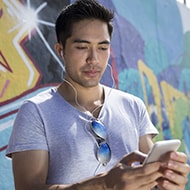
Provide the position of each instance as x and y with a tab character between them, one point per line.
30	170
145	143
174	167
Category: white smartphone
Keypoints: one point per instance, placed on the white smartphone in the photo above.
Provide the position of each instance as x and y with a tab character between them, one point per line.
160	148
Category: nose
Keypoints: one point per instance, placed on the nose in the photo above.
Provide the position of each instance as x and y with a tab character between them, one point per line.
92	56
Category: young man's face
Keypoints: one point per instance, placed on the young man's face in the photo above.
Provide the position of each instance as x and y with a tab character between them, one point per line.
86	52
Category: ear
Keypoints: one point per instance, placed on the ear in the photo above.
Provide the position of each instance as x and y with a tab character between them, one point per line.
59	49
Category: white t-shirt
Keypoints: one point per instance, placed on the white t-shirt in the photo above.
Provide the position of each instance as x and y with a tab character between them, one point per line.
48	122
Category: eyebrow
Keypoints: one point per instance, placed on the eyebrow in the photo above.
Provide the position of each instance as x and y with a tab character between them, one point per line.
87	42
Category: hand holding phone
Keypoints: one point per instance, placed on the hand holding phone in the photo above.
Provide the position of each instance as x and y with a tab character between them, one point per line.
160	148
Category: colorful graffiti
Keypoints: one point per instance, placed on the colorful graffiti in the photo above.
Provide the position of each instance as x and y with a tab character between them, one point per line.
150	58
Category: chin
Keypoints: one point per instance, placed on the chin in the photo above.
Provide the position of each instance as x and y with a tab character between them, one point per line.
91	84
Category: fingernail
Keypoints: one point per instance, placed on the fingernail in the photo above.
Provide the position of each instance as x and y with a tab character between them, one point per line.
173	155
165	184
172	165
170	175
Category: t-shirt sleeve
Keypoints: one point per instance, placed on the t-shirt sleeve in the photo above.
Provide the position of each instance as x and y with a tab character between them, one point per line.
145	124
28	130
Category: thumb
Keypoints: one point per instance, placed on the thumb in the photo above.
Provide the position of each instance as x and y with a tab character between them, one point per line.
132	157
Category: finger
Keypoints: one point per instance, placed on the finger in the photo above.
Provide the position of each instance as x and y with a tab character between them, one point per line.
175	177
133	157
136	181
135	186
143	171
178	167
167	185
178	156
149	186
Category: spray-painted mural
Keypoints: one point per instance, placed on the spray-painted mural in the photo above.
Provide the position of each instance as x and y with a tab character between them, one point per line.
150	58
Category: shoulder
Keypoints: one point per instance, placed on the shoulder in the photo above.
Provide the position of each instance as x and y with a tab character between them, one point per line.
118	95
43	96
39	100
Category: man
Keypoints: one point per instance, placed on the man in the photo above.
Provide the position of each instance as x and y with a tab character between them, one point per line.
82	134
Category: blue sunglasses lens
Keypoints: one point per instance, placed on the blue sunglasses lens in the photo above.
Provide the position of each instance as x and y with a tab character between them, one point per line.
99	129
104	153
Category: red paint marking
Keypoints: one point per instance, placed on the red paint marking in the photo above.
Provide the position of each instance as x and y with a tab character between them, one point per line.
115	73
31	90
4	88
1	13
9	113
4	62
3	148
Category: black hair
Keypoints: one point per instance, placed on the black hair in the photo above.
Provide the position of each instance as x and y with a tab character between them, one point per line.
80	10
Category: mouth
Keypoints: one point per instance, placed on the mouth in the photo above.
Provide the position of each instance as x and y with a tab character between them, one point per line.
91	73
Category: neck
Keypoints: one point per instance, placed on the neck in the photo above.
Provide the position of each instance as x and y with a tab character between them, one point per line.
84	99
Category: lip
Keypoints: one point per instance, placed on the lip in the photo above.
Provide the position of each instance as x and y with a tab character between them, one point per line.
91	74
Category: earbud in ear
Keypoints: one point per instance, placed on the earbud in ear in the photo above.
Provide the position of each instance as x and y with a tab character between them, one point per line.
62	54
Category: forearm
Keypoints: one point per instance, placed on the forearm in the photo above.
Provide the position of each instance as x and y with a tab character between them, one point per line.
97	183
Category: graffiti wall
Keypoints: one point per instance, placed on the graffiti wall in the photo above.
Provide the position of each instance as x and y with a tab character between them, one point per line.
150	58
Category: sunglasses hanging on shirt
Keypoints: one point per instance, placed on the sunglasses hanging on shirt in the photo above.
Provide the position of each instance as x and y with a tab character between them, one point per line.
99	131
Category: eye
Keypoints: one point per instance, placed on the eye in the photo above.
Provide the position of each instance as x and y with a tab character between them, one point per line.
82	47
103	48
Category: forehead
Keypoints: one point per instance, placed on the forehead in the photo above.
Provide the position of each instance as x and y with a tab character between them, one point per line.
90	29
